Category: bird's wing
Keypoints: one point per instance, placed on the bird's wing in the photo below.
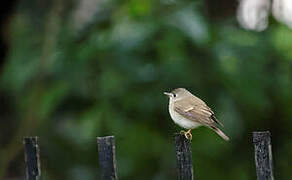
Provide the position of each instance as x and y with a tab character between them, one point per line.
196	111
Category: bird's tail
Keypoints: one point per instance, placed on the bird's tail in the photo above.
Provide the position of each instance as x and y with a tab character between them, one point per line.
220	133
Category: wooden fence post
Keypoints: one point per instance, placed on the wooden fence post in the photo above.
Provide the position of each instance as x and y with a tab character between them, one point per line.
32	158
183	157
263	155
107	157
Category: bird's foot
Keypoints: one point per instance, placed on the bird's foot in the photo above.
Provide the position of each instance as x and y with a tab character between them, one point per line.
187	134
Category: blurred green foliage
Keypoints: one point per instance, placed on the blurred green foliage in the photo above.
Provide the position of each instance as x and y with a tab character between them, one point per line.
76	71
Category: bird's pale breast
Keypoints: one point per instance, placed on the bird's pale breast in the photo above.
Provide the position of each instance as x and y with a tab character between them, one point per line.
180	120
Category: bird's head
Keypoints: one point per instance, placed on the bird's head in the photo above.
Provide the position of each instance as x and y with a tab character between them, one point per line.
177	94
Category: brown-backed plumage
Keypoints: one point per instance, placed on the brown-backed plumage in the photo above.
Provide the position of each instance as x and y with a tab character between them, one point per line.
189	112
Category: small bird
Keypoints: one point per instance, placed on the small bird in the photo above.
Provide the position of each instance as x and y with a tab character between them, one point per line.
190	112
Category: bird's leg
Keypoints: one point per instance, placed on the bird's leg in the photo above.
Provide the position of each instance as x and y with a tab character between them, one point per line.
187	134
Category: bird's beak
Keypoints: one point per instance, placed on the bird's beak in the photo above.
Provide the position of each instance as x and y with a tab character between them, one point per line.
168	94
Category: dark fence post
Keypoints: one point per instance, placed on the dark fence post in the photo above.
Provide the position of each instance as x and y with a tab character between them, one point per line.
32	158
183	157
263	155
107	157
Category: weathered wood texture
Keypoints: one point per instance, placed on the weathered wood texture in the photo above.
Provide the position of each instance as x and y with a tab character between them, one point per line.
263	155
32	158
107	157
183	157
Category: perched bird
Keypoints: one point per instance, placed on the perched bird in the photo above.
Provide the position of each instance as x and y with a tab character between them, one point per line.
189	112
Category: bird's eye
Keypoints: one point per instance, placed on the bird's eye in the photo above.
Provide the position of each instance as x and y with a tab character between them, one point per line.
174	95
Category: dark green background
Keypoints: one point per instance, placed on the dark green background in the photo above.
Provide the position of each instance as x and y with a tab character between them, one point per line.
68	79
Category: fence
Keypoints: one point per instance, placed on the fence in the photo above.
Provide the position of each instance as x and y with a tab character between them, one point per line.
107	157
